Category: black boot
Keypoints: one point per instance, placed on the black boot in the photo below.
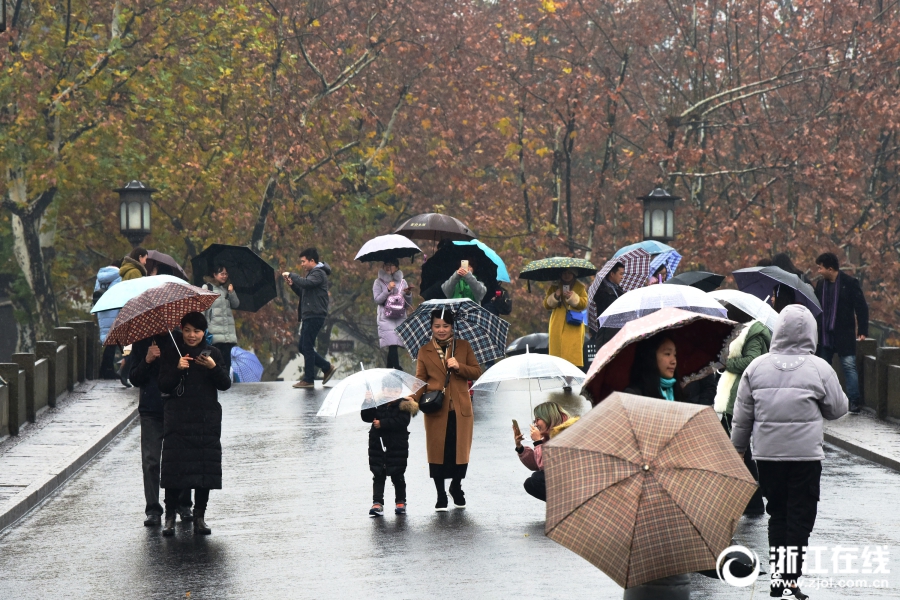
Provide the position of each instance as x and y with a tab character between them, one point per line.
169	527
459	498
200	527
442	501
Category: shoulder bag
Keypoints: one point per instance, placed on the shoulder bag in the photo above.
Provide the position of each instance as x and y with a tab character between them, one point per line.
432	402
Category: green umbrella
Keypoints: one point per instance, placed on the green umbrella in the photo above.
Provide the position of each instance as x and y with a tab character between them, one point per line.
550	269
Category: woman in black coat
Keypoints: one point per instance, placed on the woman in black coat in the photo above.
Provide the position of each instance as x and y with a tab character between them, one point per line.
192	421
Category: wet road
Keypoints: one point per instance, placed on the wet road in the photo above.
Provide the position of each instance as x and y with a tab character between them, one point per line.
292	521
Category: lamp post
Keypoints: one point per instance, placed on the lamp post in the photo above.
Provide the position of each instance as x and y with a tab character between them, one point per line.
659	215
134	211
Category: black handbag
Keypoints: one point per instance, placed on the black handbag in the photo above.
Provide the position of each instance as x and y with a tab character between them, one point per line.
432	402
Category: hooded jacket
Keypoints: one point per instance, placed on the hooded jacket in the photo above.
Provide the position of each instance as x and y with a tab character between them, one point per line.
313	291
380	293
131	269
389	443
219	315
106	278
784	395
752	342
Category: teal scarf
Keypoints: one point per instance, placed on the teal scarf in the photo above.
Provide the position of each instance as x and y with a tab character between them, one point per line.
667	388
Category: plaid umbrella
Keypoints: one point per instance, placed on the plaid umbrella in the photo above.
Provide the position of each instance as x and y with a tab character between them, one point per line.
670	258
484	331
549	269
651	246
637	263
246	365
645	489
156	311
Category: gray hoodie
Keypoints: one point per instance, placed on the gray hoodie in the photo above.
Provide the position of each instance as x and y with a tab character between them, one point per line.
784	395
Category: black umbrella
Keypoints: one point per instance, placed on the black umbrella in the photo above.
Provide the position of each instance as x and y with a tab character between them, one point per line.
537	343
435	227
446	262
702	280
252	277
760	281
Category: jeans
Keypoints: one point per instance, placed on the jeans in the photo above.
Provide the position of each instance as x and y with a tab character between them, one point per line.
851	378
151	451
309	329
174	495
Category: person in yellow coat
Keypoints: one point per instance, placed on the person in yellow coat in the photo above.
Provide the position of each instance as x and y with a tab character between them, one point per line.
566	340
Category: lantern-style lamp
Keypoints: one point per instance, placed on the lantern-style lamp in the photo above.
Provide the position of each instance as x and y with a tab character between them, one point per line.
134	211
659	215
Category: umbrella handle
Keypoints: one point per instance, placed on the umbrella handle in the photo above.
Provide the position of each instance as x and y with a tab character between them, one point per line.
176	344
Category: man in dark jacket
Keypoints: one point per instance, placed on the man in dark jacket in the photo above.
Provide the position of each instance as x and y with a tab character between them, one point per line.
144	374
313	293
841	298
606	294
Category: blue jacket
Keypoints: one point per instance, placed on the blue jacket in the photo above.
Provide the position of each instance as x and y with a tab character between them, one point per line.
107	276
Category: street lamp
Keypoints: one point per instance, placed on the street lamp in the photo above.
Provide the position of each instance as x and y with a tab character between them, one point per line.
659	215
134	211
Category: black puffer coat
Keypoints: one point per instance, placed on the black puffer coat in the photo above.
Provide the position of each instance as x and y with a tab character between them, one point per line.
389	459
192	421
145	375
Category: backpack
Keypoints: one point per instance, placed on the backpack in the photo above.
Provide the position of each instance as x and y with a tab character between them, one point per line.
395	305
98	293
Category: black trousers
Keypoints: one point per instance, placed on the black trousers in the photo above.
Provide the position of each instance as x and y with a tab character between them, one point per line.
225	349
755	505
393	358
378	482
201	498
536	485
792	491
151	451
108	363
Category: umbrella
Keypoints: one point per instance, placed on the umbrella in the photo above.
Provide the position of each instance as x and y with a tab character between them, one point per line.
119	294
252	277
650	299
701	340
167	264
670	258
489	255
484	331
246	365
529	372
645	489
537	343
387	247
759	282
550	269
651	246
637	263
702	280
439	267
753	306
435	227
349	395
156	311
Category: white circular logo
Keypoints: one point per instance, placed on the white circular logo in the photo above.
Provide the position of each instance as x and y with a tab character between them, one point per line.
723	566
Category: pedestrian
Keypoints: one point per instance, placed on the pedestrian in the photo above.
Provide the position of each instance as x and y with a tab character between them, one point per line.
701	391
134	265
145	374
220	316
659	275
566	300
106	278
464	284
448	431
389	445
782	401
654	370
783	261
549	420
392	296
192	374
498	303
608	292
752	342
782	296
313	292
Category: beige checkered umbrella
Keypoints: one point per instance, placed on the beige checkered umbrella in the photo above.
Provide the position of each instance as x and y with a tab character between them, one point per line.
645	488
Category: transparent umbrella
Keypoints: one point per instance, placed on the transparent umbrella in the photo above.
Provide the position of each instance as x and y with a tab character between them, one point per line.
366	389
753	306
644	301
530	372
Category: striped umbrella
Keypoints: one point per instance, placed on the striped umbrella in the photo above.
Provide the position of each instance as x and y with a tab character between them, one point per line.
158	310
637	263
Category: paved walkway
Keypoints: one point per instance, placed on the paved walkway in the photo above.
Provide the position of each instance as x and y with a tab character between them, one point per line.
865	436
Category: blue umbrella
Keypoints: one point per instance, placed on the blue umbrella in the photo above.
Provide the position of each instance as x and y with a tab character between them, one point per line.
119	294
502	273
246	365
651	246
670	258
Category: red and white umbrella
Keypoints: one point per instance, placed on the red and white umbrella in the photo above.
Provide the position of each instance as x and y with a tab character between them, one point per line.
156	311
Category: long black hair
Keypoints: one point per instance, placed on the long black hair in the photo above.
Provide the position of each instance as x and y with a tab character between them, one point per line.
645	372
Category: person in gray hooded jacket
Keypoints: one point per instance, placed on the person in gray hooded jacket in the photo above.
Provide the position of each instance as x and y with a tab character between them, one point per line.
782	401
219	315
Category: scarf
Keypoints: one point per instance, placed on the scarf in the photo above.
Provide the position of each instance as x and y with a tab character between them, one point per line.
830	293
441	347
462	290
667	388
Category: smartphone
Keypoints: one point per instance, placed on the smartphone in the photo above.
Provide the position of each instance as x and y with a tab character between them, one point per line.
206	353
464	264
516	427
566	288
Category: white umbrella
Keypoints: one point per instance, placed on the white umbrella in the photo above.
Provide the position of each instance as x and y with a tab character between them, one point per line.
530	372
383	385
753	306
647	300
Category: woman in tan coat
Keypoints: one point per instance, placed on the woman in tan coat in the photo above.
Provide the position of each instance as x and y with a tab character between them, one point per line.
448	432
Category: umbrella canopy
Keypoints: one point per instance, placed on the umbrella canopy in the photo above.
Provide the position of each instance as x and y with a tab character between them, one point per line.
550	269
381	385
445	262
537	343
435	227
529	372
702	280
759	282
246	365
387	247
637	263
701	341
651	246
645	489
489	255
167	264
647	300
122	292
158	310
484	331
670	258
252	277
753	306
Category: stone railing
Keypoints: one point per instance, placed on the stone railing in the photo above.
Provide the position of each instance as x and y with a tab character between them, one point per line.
36	381
879	378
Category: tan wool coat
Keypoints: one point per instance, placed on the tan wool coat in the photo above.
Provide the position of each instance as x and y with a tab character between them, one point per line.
430	369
